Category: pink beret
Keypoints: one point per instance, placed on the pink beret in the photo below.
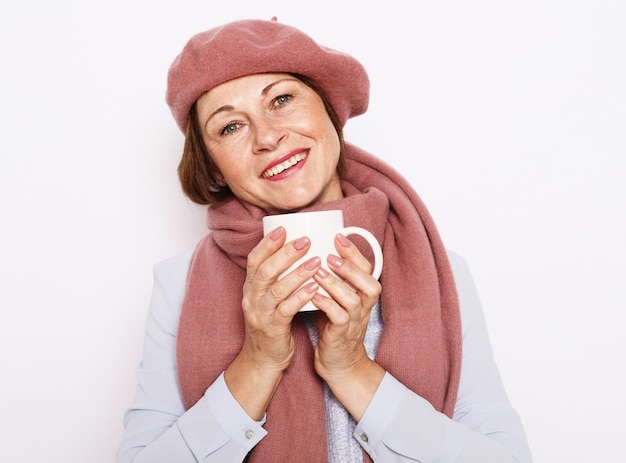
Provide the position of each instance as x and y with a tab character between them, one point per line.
249	47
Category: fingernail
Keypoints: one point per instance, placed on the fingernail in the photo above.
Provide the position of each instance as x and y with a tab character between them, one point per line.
322	272
277	233
301	243
345	242
335	261
311	287
312	263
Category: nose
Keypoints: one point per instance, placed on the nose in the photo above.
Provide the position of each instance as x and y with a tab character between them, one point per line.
267	134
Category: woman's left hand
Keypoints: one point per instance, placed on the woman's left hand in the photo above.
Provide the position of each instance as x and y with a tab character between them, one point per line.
340	356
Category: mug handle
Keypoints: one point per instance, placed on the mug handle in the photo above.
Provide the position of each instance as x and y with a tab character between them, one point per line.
373	242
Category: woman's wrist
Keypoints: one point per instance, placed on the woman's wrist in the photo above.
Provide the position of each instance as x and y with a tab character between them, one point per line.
252	386
355	387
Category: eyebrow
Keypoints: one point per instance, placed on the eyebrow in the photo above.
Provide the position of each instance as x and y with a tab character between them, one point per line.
218	110
263	92
269	87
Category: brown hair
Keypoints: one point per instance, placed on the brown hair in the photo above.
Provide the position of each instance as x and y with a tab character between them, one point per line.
198	174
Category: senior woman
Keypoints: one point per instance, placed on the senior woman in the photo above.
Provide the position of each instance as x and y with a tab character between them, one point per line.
393	370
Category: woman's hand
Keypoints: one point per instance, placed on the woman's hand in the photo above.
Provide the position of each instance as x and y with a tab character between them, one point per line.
340	356
269	305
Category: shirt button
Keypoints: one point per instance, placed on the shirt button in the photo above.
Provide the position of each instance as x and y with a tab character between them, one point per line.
249	434
364	437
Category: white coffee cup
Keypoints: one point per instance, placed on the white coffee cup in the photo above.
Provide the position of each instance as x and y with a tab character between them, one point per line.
320	227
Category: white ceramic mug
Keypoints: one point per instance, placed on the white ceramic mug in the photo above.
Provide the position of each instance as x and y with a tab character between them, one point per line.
321	227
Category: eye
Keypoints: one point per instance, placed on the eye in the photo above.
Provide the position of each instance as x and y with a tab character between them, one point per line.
228	129
282	99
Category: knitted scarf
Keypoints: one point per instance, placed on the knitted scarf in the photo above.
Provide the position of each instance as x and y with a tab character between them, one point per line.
421	340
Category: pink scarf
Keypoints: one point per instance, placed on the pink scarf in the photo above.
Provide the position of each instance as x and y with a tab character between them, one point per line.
421	340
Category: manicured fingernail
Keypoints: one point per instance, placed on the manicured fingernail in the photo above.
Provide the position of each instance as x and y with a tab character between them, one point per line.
345	242
322	272
277	233
312	263
311	287
301	243
335	261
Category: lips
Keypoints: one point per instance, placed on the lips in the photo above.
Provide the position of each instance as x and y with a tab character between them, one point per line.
285	164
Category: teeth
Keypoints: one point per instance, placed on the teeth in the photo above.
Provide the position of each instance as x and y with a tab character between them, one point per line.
277	169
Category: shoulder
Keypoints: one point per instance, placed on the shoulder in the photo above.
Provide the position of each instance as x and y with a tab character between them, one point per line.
176	266
469	300
171	276
460	265
460	270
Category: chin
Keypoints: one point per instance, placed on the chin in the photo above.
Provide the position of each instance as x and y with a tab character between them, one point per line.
291	207
301	201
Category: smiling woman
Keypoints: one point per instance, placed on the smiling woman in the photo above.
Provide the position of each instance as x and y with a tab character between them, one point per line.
392	369
272	142
202	180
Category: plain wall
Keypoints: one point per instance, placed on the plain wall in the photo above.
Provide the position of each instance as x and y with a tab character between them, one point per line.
509	119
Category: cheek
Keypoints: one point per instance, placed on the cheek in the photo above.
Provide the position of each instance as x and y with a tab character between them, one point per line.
222	169
228	172
332	138
323	129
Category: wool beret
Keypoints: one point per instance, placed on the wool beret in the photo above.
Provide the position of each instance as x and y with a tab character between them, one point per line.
248	47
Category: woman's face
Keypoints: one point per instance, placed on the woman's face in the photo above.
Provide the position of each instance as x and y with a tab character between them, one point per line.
272	140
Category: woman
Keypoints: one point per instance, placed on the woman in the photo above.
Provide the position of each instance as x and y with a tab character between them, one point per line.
396	370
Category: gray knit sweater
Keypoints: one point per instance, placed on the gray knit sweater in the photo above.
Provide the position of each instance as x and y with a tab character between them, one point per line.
342	446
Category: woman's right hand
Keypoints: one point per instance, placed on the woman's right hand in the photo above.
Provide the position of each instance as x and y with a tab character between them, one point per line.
269	305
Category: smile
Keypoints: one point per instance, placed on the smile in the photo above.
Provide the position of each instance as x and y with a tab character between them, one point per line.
278	168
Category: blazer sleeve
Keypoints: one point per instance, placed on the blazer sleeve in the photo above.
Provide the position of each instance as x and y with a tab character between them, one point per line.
400	426
157	429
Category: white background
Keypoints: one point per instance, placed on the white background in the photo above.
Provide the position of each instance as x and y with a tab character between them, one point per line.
508	117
